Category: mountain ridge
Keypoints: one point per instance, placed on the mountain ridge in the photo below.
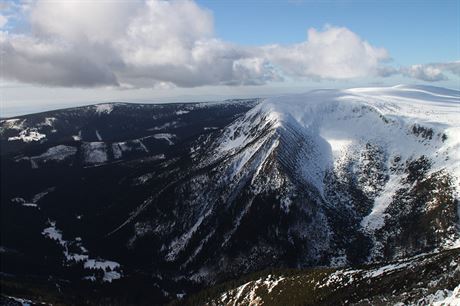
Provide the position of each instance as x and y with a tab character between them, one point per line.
195	194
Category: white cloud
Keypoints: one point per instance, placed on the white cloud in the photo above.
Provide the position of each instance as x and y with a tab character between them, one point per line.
428	73
335	53
30	60
174	42
133	43
431	72
80	21
158	44
165	32
451	67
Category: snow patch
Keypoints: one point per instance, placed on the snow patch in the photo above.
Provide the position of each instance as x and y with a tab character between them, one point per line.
246	293
77	137
118	148
13	124
49	121
98	136
28	135
376	219
30	205
53	233
167	125
34	200
101	264
165	136
182	112
42	194
179	243
104	108
111	269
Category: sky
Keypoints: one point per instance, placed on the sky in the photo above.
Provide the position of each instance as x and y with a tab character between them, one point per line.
66	53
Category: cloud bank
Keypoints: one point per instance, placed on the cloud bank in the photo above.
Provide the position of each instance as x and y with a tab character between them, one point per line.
152	43
431	72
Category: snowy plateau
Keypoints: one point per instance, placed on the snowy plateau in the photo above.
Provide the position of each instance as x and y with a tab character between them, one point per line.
324	198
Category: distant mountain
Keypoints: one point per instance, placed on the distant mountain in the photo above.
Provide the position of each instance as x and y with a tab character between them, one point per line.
178	197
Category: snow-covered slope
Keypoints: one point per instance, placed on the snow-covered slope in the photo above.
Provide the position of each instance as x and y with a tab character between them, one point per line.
404	121
386	159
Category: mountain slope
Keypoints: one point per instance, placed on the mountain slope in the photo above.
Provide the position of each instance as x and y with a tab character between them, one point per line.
432	279
188	195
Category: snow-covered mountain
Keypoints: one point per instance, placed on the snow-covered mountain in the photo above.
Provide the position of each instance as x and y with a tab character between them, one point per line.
186	195
375	156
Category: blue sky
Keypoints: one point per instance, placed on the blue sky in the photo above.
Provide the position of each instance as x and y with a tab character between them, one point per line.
413	31
62	53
